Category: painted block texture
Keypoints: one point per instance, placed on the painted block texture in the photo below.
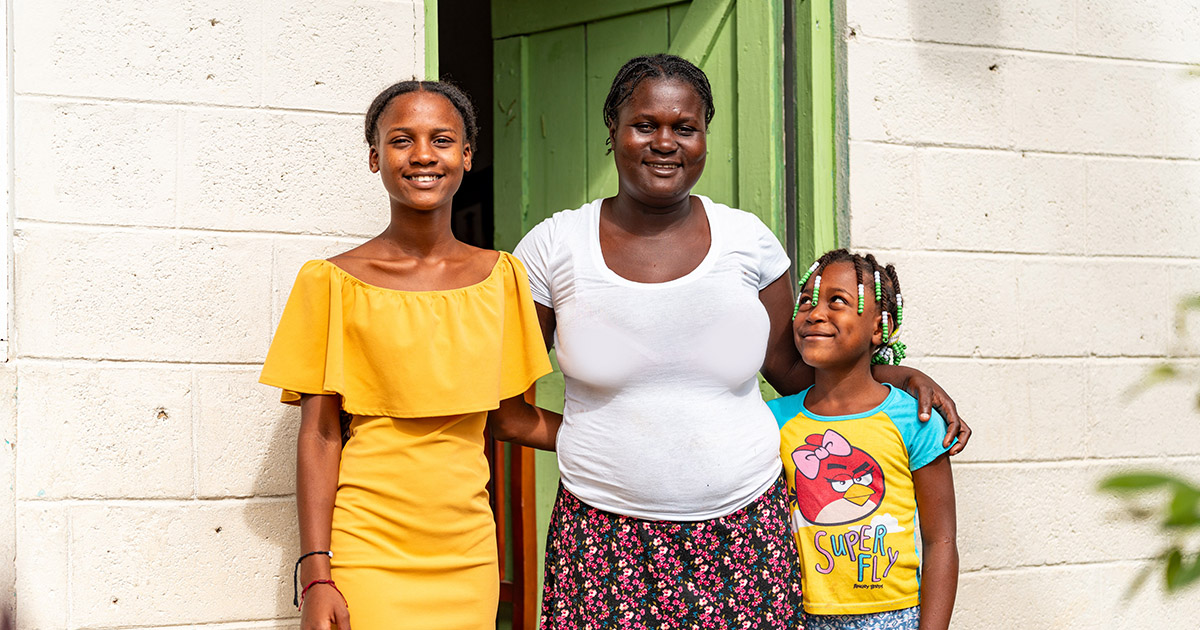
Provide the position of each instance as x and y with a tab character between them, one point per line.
142	295
91	432
336	55
206	51
174	163
1033	169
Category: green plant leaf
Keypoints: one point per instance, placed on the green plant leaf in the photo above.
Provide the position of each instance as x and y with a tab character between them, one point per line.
1126	482
1181	572
1159	374
1190	303
1183	511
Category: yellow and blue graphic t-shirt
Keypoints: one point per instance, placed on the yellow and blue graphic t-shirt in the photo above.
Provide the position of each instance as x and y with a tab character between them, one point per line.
852	502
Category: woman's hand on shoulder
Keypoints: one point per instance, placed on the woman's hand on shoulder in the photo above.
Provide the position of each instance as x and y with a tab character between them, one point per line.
324	609
929	396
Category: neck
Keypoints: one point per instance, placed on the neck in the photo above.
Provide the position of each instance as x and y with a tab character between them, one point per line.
420	233
635	216
843	390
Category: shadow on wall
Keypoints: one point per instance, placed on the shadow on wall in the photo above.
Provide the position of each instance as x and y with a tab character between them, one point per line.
276	478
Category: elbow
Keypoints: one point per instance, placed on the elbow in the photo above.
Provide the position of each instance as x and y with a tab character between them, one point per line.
500	427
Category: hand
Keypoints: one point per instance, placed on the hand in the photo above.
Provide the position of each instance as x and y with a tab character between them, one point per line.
324	609
930	394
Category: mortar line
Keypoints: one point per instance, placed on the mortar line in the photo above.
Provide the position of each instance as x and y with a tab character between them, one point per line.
109	228
1081	461
73	99
269	622
1033	52
109	361
195	413
1043	256
1059	565
991	148
181	502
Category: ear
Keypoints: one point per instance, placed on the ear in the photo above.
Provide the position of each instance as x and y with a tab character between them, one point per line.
468	153
373	160
877	333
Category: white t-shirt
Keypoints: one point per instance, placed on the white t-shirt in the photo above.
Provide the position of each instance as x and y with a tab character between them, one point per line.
663	417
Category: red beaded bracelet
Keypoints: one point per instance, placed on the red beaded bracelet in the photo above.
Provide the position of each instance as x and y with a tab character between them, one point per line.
314	583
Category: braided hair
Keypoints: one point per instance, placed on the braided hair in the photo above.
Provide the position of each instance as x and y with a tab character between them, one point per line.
660	66
457	97
886	285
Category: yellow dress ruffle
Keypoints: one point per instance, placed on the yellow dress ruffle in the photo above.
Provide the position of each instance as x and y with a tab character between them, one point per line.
413	534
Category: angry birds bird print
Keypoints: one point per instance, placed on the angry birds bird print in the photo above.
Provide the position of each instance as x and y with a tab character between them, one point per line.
836	483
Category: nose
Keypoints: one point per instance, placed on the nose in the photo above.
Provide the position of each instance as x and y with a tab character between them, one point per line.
664	140
817	313
422	153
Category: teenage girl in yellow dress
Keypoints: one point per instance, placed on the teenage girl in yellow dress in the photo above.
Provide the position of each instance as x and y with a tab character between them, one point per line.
413	335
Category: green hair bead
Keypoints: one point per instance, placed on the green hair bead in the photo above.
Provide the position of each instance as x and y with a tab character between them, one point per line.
885	327
878	289
860	298
899	311
816	291
804	278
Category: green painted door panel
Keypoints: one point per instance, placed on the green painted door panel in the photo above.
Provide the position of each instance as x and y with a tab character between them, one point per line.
554	63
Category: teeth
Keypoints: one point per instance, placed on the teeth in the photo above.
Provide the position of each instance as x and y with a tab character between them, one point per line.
665	165
424	178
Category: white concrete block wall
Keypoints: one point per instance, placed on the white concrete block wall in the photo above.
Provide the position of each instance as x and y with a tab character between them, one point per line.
1033	169
175	164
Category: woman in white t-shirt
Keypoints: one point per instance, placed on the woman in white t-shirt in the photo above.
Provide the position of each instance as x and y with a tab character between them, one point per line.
663	307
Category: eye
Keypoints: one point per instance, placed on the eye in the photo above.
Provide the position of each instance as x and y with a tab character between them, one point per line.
400	140
805	299
443	141
841	485
685	131
865	479
644	127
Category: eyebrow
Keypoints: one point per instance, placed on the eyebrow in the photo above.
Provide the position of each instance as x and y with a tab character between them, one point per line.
410	130
864	466
837	466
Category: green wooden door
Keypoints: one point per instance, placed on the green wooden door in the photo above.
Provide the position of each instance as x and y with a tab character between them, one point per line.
554	63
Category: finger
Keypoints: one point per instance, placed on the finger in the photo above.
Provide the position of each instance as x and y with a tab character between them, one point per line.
964	434
343	618
924	403
946	407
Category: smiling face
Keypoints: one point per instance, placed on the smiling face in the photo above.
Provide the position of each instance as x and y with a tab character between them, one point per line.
420	150
831	333
659	142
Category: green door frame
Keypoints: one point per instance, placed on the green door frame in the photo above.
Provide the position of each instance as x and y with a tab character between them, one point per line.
805	191
810	222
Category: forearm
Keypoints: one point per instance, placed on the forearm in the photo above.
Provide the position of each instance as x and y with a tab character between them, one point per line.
895	375
318	457
939	584
789	378
519	421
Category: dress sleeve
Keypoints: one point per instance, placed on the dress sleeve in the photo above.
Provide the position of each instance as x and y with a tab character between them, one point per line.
772	257
298	361
524	358
535	251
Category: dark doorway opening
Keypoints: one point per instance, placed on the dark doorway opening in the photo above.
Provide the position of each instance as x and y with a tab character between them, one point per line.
465	57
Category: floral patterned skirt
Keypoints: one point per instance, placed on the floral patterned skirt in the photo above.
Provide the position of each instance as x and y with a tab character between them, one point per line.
604	570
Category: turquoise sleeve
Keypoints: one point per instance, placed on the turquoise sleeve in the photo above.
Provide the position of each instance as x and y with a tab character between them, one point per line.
922	439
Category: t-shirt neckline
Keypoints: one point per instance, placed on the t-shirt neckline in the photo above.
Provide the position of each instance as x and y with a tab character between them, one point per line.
700	270
853	416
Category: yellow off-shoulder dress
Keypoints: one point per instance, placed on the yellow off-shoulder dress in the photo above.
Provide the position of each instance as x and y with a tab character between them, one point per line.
413	539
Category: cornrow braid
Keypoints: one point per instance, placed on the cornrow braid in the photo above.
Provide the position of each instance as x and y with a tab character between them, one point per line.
660	66
457	97
886	288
